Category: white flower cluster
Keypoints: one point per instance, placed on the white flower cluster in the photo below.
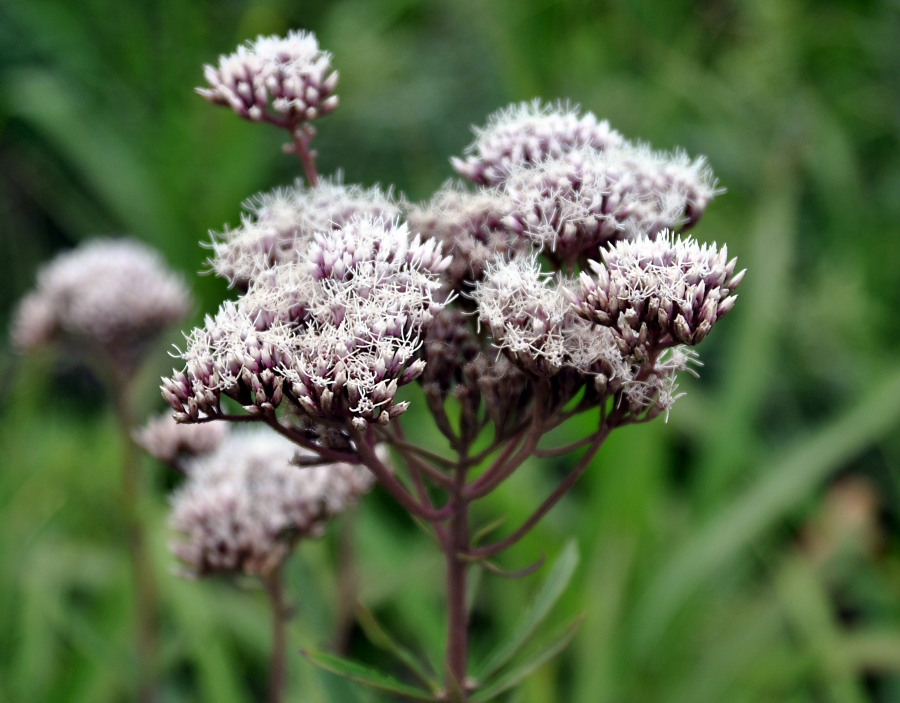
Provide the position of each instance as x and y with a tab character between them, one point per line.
531	319
170	441
528	132
625	325
569	184
335	333
284	79
573	204
111	296
278	225
471	227
244	506
573	192
659	293
339	298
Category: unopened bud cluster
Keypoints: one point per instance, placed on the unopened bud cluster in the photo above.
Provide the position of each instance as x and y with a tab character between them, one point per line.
287	79
659	293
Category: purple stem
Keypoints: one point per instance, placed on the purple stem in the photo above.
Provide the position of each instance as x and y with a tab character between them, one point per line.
489	550
365	447
456	546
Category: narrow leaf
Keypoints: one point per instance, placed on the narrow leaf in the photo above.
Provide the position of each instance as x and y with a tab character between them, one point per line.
382	639
354	671
485	530
551	590
555	644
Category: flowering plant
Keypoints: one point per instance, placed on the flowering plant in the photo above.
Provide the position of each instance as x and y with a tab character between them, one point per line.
558	283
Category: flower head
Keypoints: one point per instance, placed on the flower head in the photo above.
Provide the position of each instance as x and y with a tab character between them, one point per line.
107	296
531	319
278	225
659	293
470	226
288	80
336	333
574	203
245	505
527	132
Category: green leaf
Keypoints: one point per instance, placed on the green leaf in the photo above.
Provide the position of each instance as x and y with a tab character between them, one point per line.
485	530
544	653
551	590
354	671
382	638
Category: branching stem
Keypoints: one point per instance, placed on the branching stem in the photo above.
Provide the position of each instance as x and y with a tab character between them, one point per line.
574	474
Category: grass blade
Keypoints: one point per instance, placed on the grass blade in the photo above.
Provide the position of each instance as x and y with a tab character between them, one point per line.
791	477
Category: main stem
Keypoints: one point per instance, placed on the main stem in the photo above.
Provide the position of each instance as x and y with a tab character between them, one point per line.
274	585
456	546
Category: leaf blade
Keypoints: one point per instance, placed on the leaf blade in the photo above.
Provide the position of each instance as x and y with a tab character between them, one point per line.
360	673
557	643
382	639
559	577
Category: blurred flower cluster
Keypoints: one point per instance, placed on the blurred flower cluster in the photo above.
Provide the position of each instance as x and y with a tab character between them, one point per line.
109	298
247	502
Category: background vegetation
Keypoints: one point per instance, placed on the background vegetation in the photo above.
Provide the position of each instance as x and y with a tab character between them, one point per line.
745	551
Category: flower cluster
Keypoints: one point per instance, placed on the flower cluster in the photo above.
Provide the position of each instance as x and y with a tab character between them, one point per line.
573	204
336	333
570	185
280	224
659	293
529	132
625	325
172	442
245	505
287	80
108	297
563	251
531	319
555	282
471	227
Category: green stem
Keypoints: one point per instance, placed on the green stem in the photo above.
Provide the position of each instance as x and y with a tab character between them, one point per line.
142	571
273	582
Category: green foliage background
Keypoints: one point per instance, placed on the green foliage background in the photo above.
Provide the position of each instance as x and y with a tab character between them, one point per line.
745	551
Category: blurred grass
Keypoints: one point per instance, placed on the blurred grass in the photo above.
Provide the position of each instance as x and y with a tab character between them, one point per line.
700	577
